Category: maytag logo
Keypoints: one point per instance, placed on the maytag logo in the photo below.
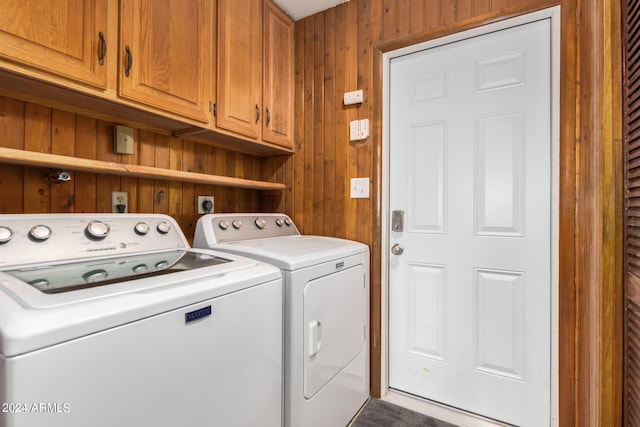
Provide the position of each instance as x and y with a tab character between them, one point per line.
339	265
197	314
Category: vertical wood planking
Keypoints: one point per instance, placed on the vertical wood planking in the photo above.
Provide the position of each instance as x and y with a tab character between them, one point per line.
37	137
12	176
318	195
63	142
106	183
330	100
174	189
85	183
146	153
188	210
351	81
417	16
161	187
341	123
308	141
296	201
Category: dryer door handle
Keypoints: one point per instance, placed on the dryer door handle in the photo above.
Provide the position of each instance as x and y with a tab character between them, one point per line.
314	340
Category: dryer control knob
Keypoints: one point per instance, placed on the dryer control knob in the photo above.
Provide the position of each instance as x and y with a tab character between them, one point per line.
260	223
40	232
288	222
279	222
163	227
223	224
5	234
237	224
98	229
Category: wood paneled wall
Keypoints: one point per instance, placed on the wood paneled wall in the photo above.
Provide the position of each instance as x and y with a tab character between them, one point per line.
36	128
340	50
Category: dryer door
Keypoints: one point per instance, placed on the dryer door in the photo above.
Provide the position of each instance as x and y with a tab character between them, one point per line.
334	325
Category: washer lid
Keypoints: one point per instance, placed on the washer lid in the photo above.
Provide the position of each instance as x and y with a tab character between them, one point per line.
294	252
31	319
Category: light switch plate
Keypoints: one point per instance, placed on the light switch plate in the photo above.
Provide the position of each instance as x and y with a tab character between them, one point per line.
355	97
358	130
359	188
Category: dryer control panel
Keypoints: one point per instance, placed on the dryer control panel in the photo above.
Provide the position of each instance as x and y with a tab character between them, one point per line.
222	228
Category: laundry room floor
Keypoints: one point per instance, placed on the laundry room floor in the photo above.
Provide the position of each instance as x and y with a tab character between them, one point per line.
377	413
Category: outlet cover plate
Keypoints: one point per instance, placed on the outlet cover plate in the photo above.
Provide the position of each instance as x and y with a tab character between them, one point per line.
119	198
201	201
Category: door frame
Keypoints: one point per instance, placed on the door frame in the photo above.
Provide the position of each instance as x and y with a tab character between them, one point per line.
552	13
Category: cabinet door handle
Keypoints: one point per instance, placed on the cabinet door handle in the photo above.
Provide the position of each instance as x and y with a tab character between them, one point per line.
129	61
257	114
268	118
103	48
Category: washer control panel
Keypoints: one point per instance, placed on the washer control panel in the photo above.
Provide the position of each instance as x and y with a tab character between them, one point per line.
46	238
239	227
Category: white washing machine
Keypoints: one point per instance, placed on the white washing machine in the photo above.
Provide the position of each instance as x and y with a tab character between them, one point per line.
112	320
326	282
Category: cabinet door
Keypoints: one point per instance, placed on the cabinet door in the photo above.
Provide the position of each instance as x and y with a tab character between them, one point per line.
165	55
278	91
61	37
240	67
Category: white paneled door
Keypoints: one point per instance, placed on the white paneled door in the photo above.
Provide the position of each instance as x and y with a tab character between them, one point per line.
470	271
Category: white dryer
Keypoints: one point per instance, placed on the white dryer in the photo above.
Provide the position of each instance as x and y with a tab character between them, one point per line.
326	285
113	320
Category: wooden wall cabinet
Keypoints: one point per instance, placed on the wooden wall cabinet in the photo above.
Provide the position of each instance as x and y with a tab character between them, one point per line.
65	38
255	71
213	71
149	59
278	77
165	55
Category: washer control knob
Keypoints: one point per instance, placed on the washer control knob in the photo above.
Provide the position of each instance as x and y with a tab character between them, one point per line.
261	223
163	227
140	268
161	265
142	228
288	222
95	276
98	229
5	234
40	232
279	222
237	224
40	284
223	224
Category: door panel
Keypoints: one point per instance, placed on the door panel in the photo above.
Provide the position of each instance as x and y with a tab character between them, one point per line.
470	164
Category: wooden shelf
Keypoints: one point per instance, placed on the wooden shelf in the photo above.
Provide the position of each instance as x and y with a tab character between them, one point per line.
46	160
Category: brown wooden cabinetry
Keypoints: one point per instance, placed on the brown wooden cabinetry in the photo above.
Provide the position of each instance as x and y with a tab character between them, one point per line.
278	78
239	105
255	71
167	65
66	38
165	55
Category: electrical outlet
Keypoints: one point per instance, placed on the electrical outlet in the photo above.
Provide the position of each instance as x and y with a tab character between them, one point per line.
205	204
119	202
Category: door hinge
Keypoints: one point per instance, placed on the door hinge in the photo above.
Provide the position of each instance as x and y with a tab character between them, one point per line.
215	109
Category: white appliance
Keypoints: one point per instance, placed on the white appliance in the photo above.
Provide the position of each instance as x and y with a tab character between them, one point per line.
112	320
326	282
